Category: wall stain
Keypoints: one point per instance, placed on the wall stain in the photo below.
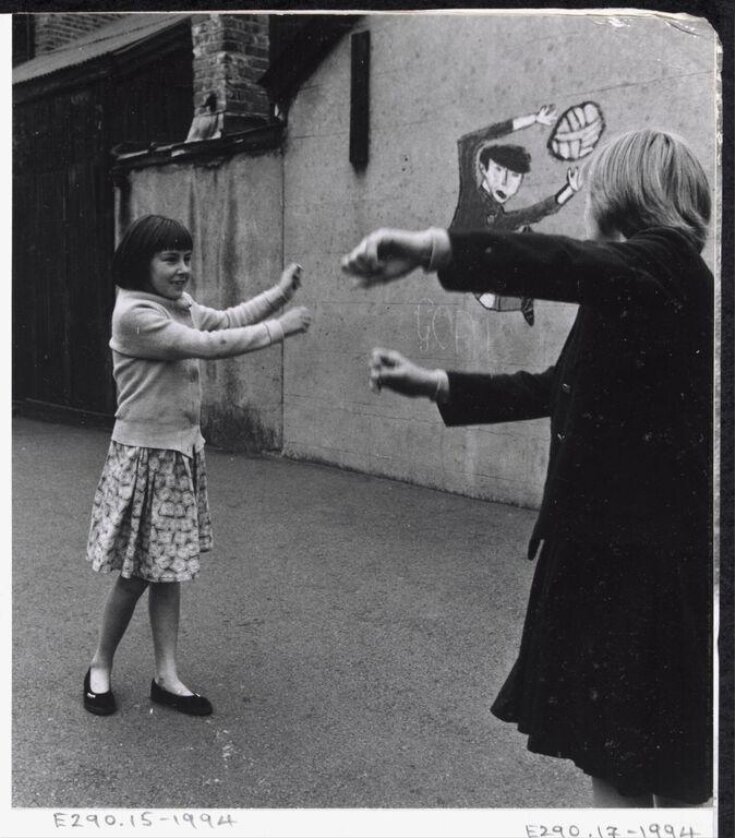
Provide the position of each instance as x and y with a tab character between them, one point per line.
233	428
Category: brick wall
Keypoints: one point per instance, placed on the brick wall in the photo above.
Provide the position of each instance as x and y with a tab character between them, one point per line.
55	30
230	55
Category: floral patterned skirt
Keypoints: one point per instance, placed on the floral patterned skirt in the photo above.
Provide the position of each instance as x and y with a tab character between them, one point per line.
151	516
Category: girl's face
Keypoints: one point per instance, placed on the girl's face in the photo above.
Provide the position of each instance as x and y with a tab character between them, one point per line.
169	272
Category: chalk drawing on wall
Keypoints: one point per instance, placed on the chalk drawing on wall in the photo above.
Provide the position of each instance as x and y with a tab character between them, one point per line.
576	132
490	175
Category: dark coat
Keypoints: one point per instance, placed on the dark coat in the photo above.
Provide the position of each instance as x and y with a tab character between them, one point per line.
630	397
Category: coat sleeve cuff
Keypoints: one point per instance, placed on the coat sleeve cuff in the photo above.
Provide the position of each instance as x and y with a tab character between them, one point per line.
451	415
441	250
441	394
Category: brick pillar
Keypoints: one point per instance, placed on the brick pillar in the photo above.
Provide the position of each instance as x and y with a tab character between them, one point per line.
230	55
56	29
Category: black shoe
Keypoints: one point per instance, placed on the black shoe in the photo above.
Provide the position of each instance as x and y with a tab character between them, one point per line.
192	705
101	704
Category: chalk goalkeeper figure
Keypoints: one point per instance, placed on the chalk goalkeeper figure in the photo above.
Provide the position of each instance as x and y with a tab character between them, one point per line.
489	176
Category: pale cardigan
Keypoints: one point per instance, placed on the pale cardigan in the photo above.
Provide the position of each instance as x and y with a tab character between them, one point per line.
155	346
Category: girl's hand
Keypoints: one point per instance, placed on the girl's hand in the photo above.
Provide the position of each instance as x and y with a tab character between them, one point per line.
290	280
390	369
386	255
295	321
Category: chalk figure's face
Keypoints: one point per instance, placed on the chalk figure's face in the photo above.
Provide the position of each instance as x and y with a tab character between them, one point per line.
170	272
502	183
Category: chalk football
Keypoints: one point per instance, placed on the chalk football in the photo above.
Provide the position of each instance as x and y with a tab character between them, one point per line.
576	132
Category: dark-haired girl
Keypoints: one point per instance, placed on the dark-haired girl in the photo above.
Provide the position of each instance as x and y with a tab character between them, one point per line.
150	519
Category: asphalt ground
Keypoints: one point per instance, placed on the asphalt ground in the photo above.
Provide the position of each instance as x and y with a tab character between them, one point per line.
350	631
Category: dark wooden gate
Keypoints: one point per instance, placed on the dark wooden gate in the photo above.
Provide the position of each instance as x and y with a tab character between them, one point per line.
63	214
62	240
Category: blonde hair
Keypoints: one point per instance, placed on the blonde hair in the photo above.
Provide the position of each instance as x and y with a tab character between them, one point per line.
649	178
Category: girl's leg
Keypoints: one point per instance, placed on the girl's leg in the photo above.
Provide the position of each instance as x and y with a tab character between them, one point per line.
606	796
164	603
118	610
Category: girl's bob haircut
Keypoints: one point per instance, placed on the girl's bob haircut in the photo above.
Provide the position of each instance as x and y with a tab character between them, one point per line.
649	178
145	237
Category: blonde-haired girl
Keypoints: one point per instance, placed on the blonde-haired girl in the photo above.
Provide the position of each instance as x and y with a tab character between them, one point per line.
614	669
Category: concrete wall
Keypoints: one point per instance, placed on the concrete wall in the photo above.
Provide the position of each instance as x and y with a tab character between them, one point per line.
233	208
434	78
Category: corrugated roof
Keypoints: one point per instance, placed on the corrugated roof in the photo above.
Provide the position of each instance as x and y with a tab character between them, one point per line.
112	38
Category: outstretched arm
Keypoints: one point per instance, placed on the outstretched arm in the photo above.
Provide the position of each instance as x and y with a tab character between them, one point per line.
145	331
529	264
479	398
465	398
563	269
571	187
546	115
251	311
